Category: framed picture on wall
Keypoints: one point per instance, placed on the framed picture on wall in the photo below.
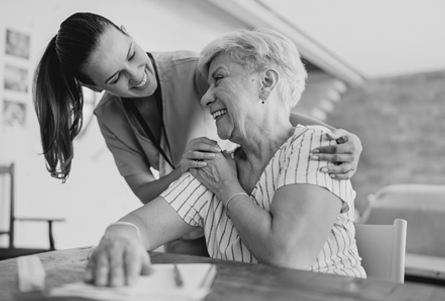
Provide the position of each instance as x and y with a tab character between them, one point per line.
14	114
17	43
15	79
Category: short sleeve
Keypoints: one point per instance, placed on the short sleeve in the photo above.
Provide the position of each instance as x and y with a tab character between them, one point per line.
298	168
189	198
120	138
129	160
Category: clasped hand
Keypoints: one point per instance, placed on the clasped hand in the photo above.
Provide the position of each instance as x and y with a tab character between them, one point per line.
219	173
197	152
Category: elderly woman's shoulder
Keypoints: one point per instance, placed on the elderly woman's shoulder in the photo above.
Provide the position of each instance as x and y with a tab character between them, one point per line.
313	129
309	135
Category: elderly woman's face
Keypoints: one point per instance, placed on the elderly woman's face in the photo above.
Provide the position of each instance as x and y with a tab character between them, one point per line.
119	66
233	97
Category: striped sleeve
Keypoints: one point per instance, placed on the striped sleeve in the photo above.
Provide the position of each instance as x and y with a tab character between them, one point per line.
189	198
298	168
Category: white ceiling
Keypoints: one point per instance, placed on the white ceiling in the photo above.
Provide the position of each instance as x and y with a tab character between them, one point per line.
376	38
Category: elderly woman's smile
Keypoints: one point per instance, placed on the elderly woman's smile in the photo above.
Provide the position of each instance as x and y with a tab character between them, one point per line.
218	113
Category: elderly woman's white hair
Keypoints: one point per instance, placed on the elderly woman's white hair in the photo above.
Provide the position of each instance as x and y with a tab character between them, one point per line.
258	49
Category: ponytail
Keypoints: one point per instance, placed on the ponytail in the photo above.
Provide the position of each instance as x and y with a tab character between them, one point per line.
57	91
58	102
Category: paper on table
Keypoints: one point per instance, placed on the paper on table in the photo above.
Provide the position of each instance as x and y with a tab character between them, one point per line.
160	285
31	273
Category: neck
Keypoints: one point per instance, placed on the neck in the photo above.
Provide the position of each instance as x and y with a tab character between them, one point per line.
264	141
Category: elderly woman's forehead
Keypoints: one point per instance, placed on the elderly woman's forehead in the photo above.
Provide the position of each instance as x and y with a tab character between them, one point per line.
220	58
225	60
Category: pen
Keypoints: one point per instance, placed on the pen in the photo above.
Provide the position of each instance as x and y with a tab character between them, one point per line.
177	276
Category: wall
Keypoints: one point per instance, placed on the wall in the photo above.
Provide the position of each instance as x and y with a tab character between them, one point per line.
400	123
95	194
377	38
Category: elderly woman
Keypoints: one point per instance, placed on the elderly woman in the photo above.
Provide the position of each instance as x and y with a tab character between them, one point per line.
266	201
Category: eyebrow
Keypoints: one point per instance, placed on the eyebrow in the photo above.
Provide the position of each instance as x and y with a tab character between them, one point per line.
217	69
128	54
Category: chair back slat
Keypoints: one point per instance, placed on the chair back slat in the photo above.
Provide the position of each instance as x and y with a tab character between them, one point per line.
382	248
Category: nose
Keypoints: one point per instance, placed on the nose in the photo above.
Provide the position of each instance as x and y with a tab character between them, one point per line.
208	98
134	74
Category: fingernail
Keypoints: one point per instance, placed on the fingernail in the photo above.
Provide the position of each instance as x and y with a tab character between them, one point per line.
315	151
324	169
314	157
217	148
333	176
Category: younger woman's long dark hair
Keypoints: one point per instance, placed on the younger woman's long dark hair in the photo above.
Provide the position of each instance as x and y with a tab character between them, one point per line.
57	90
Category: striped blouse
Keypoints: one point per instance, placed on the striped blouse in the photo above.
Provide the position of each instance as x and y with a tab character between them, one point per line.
198	206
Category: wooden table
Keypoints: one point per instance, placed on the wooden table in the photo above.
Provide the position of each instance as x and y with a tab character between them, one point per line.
234	281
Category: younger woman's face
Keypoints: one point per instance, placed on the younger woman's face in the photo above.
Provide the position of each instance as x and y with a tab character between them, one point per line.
119	66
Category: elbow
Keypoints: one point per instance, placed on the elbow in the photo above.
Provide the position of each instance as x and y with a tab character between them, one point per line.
288	256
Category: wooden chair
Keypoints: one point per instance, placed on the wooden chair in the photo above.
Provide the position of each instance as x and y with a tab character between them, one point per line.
11	250
382	248
421	205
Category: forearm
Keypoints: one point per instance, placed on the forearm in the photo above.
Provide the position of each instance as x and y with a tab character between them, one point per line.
157	223
147	189
254	225
297	118
256	228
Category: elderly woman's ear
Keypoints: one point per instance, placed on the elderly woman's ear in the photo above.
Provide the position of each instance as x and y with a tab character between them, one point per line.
269	80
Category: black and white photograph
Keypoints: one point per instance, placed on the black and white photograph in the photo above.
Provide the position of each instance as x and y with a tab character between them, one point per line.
14	114
222	150
17	43
15	78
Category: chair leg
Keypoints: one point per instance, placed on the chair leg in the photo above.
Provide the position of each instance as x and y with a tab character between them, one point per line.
51	238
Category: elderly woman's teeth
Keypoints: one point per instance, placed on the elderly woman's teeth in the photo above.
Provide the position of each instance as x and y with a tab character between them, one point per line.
219	113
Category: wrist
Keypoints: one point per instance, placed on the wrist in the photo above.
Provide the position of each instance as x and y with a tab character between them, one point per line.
123	229
227	189
178	171
233	197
